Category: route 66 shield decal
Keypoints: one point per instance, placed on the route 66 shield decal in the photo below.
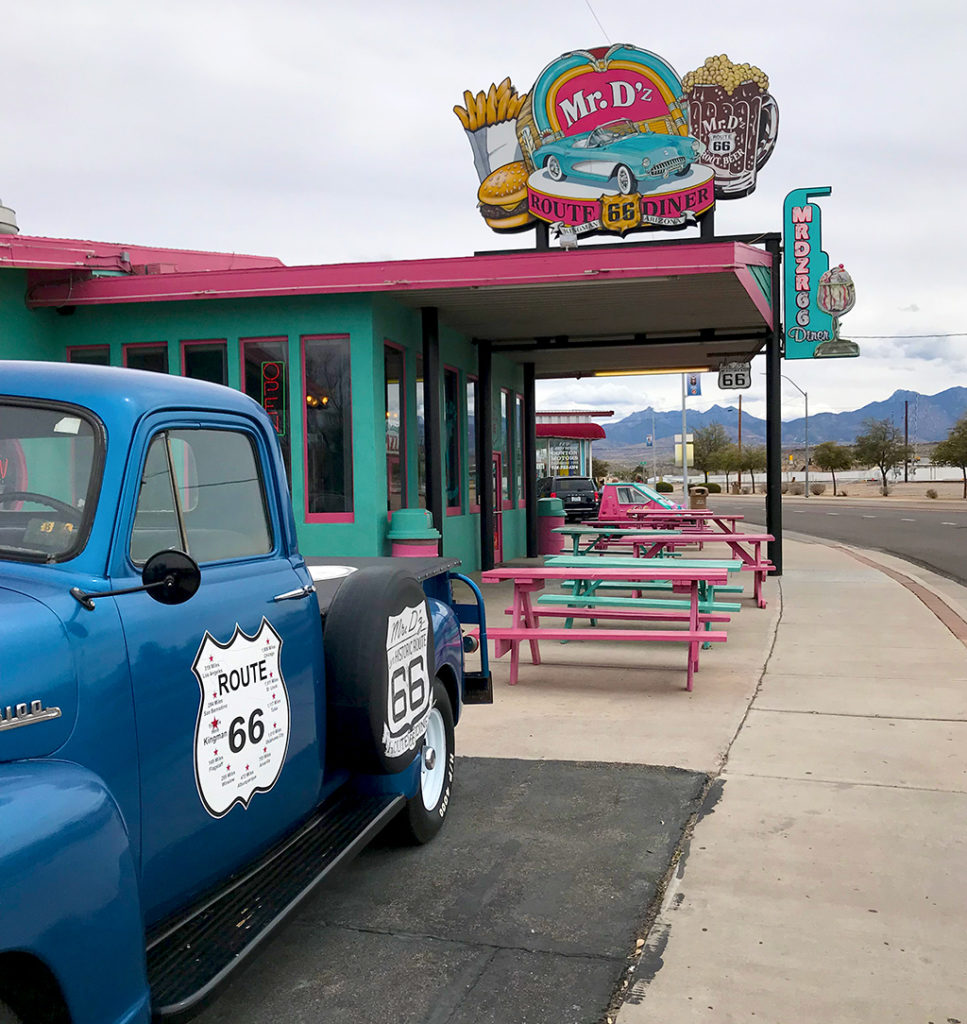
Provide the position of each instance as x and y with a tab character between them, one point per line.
242	729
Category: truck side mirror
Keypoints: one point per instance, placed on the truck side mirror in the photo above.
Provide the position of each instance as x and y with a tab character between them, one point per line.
170	577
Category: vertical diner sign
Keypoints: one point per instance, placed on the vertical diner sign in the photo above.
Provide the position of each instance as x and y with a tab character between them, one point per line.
804	262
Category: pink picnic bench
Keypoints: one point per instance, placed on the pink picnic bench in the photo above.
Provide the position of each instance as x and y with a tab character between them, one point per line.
526	628
744	546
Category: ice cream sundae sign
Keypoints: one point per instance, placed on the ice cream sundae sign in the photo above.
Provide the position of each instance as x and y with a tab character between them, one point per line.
612	140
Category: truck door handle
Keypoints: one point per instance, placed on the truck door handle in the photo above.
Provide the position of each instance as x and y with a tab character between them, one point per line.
293	595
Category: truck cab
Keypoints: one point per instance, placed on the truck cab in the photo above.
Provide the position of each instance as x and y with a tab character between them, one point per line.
193	729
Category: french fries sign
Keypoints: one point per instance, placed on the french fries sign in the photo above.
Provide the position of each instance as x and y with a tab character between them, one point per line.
600	143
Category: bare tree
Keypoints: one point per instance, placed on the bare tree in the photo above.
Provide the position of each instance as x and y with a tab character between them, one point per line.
881	446
952	451
831	457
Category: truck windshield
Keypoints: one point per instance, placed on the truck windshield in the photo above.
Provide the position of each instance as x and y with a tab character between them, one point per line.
48	460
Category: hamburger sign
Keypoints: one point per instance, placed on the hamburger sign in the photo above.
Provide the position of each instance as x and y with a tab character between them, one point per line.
602	142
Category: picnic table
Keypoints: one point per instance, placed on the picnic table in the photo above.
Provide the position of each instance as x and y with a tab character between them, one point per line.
602	535
525	625
681	518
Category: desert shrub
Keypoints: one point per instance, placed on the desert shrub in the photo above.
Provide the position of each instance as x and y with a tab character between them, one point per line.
931	493
783	488
797	488
841	494
817	488
746	490
714	488
762	489
664	487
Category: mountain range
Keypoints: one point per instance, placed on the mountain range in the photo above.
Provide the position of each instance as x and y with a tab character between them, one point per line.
930	419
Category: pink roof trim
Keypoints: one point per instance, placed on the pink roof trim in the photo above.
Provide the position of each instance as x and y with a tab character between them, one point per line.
70	253
483	271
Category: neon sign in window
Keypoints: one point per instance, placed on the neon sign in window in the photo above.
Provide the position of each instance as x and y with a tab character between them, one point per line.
273	395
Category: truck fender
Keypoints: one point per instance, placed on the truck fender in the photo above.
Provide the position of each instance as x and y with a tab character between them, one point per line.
69	875
448	650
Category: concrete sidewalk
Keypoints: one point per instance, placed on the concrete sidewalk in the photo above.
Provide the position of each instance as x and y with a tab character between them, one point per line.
827	879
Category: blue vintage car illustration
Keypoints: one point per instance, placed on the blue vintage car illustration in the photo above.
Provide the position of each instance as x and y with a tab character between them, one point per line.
622	152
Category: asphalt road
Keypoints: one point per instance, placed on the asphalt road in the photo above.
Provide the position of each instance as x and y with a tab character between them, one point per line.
924	533
524	910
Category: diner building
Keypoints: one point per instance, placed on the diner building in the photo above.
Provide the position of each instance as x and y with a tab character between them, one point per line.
404	384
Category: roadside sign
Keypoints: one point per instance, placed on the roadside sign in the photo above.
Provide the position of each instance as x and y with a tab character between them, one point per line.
649	441
735	376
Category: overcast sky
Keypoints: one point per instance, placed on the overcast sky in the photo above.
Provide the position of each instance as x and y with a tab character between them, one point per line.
323	132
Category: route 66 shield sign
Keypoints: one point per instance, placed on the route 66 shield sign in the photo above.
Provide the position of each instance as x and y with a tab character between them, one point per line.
242	729
620	213
721	143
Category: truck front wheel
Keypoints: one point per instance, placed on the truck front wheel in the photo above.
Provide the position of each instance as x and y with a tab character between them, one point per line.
425	813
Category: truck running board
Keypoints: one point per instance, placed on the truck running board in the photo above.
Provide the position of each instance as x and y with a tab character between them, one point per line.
190	956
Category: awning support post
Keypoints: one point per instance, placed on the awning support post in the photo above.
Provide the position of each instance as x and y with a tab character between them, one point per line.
485	452
774	417
530	459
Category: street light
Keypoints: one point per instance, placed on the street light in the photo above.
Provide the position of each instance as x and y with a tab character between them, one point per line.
805	396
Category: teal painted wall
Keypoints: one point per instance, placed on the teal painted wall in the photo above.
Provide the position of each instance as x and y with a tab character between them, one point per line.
23	334
369	321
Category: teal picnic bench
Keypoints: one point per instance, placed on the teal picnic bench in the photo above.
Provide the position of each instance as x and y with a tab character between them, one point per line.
526	626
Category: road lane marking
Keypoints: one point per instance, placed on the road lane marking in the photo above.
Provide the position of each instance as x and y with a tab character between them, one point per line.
869	517
832	513
908	520
948	524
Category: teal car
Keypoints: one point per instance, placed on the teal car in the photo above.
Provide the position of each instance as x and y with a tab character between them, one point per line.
633	158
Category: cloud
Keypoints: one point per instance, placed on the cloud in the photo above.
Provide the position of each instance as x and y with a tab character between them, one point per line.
912	308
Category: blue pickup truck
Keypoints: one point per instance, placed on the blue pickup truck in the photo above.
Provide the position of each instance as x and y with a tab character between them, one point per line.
196	723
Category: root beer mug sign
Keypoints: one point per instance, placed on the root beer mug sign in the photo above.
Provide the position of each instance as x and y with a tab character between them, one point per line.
606	141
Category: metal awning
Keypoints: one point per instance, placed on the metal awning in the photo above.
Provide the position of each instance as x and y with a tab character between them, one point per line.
598	309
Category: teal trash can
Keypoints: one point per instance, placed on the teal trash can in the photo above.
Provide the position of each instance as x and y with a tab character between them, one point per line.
413	534
550	514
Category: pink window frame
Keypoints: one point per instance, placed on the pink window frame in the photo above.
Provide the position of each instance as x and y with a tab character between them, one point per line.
87	348
404	461
144	344
507	457
455	510
472	507
324	517
203	341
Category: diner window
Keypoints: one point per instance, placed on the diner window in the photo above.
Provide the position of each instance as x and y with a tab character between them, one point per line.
394	373
328	426
90	355
473	494
205	360
265	377
451	444
420	437
519	446
147	356
505	448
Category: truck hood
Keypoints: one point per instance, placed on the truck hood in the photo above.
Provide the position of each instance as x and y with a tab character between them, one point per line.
38	685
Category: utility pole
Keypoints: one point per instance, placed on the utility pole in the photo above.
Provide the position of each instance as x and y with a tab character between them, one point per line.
739	472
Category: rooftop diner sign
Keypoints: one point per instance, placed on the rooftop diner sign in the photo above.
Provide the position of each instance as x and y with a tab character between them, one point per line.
611	140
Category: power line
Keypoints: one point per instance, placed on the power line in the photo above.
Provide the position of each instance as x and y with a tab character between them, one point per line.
598	20
864	337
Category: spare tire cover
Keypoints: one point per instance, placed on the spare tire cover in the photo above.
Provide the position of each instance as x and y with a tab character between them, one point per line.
378	643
